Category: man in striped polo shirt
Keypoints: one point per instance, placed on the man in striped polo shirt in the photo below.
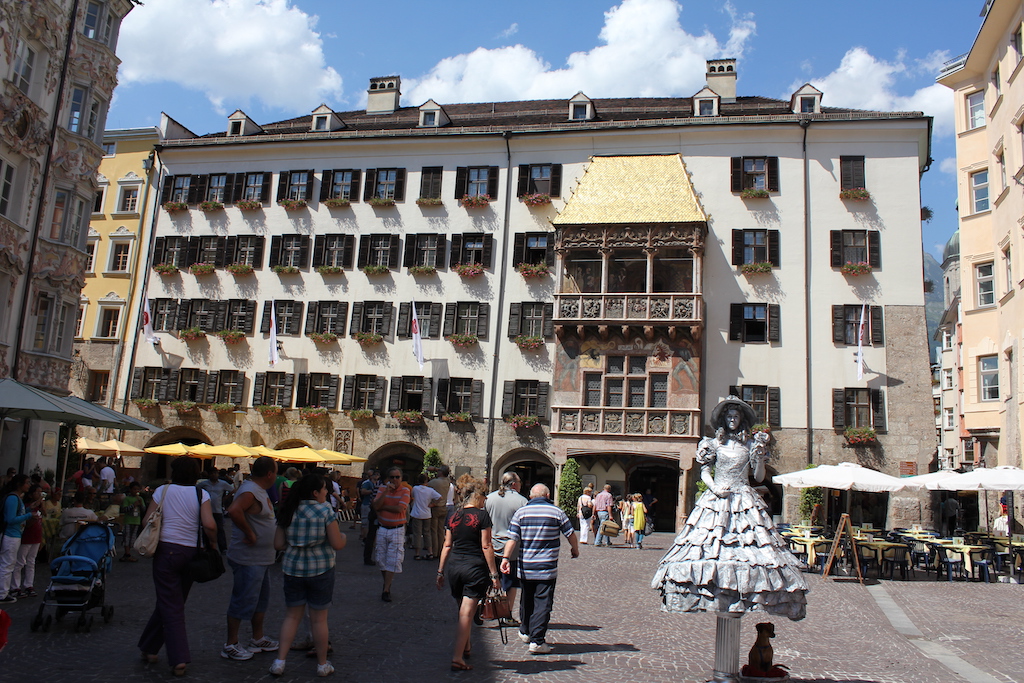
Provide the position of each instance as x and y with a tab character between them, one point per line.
392	507
534	532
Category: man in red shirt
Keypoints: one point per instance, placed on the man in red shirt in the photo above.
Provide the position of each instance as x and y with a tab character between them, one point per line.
392	508
603	503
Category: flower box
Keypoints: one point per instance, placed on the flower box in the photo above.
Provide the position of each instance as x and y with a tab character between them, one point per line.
360	414
292	204
269	411
423	270
463	341
858	193
184	406
533	270
430	201
759	268
240	269
172	207
285	270
210	206
457	417
408	417
165	269
191	334
232	336
330	270
312	413
860	436
223	408
249	205
468	269
528	343
523	421
376	269
752	193
536	199
337	203
368	338
323	337
202	268
855	269
146	403
761	427
380	202
476	201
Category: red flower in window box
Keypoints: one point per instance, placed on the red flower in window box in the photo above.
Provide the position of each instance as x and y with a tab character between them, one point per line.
523	421
855	269
476	201
533	270
468	269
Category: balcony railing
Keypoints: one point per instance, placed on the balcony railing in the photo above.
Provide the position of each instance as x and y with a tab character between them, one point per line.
626	422
629	308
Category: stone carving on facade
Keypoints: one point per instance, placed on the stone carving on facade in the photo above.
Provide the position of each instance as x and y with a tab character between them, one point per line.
60	264
650	237
343	440
13	246
101	179
634	423
46	372
130	177
591	422
680	423
98	63
660	309
613	423
656	424
75	159
5	369
614	308
122	231
568	422
23	124
42	21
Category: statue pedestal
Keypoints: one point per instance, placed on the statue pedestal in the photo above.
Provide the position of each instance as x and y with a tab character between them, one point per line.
727	647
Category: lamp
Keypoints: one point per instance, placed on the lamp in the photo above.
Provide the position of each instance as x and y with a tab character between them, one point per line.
239	417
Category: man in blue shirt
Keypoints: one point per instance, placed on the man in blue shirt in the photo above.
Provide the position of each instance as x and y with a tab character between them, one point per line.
535	531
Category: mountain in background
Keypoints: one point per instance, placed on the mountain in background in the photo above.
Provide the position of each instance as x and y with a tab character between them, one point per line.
933	304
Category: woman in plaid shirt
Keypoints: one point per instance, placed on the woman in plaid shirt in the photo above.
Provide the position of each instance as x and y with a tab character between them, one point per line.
308	533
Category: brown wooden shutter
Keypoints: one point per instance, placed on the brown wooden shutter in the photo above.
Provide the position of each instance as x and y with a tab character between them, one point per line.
137	374
772	168
436	311
357	318
165	193
774	407
404	319
836	247
364	251
877	328
370	188
326	181
874	249
197	188
774	322
851	173
773	248
524	180
737	174
476	398
515	318
543	392
265	188
354	191
737	247
191	251
302	391
556	181
349	251
399	184
426	406
838	408
839	324
519	248
219	317
378	394
549	320
549	250
410	250
184	310
735	322
461	181
304	251
289	390
309	185
249	320
294	323
212	384
342	318
265	323
488	251
508	398
878	410
492	182
332	393
311	312
159	250
319	250
348	392
257	254
395	397
389	330
483	320
734	390
455	257
449	318
394	252
441	402
276	245
258	385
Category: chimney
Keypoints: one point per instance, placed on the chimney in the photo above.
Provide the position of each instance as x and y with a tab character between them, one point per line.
383	95
722	78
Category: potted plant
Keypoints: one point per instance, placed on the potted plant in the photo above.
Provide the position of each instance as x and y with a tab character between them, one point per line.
376	269
337	203
184	406
207	207
761	427
323	337
285	270
240	269
536	199
529	343
292	204
464	416
860	436
468	269
463	341
408	417
232	336
858	193
476	201
249	205
753	193
533	270
172	207
523	421
166	268
191	334
430	201
312	413
360	414
423	270
368	338
145	403
269	411
223	408
202	268
758	268
380	202
855	269
330	270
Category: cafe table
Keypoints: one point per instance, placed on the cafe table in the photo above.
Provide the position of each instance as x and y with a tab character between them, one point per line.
808	543
962	549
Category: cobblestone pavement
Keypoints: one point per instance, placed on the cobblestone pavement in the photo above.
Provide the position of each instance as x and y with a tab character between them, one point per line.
606	626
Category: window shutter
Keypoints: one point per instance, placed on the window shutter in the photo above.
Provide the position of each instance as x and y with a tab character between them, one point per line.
734	390
476	398
304	252
524	180
508	396
311	313
483	320
737	247
774	322
220	316
389	330
378	394
302	391
436	310
191	251
357	318
556	180
332	394
449	318
364	251
543	390
549	320
838	408
165	193
852	173
265	324
461	181
877	329
441	402
410	250
349	250
400	185
283	180
294	321
342	318
772	167
326	181
348	392
257	255
549	252
184	309
735	322
319	250
839	324
265	188
276	244
159	249
233	187
836	246
427	396
404	319
773	248
394	252
518	249
163	392
250	317
137	382
354	192
309	185
737	174
289	388
212	384
257	388
878	410
455	257
774	407
197	188
515	317
370	188
395	395
492	182
221	259
874	249
488	251
238	391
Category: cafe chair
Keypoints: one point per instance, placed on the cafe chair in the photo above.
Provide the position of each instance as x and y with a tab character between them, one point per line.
919	555
1002	555
1018	562
897	557
821	551
867	558
982	563
799	551
947	565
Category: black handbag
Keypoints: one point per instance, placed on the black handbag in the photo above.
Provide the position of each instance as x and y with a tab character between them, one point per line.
207	565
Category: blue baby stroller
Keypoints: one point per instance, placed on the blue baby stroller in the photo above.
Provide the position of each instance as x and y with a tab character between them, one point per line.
78	580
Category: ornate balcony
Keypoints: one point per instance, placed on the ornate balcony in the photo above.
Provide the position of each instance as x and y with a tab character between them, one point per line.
629	309
663	422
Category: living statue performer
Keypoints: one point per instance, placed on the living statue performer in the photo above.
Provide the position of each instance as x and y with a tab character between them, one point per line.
729	558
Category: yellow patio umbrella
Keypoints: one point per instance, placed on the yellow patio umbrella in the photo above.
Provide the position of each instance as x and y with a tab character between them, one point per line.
300	454
123	448
172	449
263	450
338	458
91	447
228	450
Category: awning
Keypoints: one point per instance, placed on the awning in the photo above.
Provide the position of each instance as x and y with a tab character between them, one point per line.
633	189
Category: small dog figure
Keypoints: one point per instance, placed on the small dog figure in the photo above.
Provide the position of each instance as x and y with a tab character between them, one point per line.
759	661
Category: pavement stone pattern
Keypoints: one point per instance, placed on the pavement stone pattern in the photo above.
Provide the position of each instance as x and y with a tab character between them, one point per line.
606	625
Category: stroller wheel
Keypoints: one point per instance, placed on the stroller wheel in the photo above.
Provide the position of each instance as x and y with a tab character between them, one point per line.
37	621
47	622
108	613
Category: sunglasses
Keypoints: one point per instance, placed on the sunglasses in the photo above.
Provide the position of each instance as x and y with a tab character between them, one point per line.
395	476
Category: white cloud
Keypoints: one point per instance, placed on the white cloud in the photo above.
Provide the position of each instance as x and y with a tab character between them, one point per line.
510	31
644	53
233	51
948	165
864	82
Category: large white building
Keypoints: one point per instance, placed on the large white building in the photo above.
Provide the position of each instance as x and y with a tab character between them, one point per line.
660	253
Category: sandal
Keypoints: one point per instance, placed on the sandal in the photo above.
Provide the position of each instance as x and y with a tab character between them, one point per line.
461	666
178	670
150	659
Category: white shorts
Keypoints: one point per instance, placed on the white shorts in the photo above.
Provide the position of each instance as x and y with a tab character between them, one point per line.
390	549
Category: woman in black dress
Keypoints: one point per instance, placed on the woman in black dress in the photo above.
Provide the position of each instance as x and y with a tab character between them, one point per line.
469	558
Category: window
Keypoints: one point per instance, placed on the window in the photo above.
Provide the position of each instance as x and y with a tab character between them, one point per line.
766	402
69	218
997	82
476	180
807	104
592	389
340	184
410	393
948	418
467	317
371	316
24	63
216	188
425	250
129	202
240	315
90	257
471	247
985	282
246	250
229	385
97	203
856	246
76	109
295	186
754	246
327	316
1017	43
460	395
289	250
533	247
858	407
851	173
277	389
947	378
368	392
288	314
119	253
191	385
97	391
151	381
947	341
109	318
531	319
165	314
1001	159
109	149
979	191
320	123
1008	268
7	177
100	22
430	179
254	185
988	375
51	324
235	128
659	391
429	316
754	323
379	250
755	173
84	113
180	187
385	183
846	324
429	118
705	107
527	398
334	250
540	179
317	389
209	250
976	110
580	111
202	313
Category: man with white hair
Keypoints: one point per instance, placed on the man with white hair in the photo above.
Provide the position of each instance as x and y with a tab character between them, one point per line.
534	532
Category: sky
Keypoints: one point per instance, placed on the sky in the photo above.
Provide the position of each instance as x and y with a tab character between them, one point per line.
200	60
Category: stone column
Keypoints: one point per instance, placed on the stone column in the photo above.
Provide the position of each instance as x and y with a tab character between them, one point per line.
727	647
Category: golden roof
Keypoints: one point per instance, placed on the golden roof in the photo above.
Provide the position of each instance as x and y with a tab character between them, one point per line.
633	189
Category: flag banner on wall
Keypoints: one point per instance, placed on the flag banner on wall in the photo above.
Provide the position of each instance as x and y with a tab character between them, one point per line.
860	342
274	356
147	323
417	341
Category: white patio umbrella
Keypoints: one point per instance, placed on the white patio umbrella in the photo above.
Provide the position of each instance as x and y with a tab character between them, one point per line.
1002	478
846	476
922	481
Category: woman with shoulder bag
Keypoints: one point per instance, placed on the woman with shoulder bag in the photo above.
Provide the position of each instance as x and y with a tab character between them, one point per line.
183	513
585	512
626	514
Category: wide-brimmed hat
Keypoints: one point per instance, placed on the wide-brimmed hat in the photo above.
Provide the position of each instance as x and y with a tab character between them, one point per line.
731	401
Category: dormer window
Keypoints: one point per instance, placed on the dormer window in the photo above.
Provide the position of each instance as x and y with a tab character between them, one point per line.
579	112
429	118
320	123
580	108
807	105
706	107
236	128
806	100
432	115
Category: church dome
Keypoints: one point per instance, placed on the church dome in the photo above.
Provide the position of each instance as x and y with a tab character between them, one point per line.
952	249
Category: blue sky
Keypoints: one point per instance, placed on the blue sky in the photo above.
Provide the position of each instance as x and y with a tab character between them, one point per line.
199	60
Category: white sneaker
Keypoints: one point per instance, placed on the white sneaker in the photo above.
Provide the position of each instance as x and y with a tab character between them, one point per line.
236	652
264	644
325	669
540	648
277	668
525	637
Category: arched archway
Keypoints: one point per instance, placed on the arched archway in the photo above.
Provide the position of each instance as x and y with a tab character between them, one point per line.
290	443
532	466
407	456
656	480
156	466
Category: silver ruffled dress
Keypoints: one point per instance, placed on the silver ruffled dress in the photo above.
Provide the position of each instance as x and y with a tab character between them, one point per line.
729	557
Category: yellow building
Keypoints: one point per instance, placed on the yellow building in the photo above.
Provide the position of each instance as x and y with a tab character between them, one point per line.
117	245
988	89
